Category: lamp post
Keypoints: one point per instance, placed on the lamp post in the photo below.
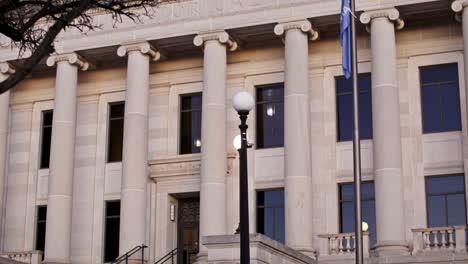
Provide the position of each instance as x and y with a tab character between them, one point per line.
243	102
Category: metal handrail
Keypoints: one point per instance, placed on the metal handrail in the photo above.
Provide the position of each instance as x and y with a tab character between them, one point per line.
168	256
130	253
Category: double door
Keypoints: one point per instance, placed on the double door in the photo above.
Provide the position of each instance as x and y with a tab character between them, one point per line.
188	222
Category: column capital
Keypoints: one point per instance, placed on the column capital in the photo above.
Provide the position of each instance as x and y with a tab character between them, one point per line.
391	13
6	68
222	36
303	25
459	5
143	47
72	58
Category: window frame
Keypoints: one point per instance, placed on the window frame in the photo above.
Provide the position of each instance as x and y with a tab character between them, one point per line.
109	119
421	85
179	134
275	207
41	138
38	222
256	109
106	217
462	175
335	79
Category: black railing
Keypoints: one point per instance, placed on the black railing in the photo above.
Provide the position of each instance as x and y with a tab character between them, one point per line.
124	258
169	256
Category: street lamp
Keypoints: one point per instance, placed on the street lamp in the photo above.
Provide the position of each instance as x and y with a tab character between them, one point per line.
243	102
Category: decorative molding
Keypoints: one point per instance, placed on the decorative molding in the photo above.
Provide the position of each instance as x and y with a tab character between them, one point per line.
391	13
72	58
6	68
143	47
459	5
222	36
181	165
303	25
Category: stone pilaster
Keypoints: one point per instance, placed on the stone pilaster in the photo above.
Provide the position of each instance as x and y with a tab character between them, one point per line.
298	178
5	71
213	196
135	145
59	201
386	135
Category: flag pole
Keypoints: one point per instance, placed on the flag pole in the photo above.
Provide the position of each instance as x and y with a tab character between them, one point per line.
356	139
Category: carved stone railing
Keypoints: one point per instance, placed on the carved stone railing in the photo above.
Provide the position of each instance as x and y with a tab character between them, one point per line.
31	257
342	244
439	239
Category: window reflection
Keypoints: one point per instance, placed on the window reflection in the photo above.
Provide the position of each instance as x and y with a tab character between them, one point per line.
270	116
344	107
190	123
270	214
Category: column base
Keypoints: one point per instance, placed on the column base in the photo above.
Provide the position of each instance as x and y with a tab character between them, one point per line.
392	248
202	257
56	261
310	252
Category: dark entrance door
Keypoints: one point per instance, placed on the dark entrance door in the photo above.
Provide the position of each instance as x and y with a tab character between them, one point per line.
188	230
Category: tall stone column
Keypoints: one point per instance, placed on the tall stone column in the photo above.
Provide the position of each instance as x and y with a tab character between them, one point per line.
5	70
213	195
386	134
135	145
298	178
62	157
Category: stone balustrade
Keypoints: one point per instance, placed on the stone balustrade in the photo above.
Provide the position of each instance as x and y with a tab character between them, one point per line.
31	257
342	244
427	240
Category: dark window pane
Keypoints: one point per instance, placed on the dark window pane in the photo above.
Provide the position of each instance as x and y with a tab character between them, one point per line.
46	138
347	212
270	214
440	98
270	117
112	231
116	132
41	227
190	123
344	105
446	204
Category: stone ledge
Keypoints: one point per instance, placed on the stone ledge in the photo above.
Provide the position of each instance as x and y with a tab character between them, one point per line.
262	249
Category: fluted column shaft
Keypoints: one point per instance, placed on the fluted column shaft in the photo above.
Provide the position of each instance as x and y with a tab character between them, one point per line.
5	71
135	146
62	157
298	178
386	134
213	196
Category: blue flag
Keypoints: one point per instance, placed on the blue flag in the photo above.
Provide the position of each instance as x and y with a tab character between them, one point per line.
345	37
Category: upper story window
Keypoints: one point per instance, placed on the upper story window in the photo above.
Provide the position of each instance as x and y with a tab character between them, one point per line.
112	231
190	123
270	116
46	138
344	107
270	214
347	211
41	227
445	197
116	132
440	98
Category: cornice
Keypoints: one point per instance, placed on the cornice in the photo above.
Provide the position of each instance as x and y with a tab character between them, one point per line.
391	13
6	68
72	58
143	47
222	36
303	25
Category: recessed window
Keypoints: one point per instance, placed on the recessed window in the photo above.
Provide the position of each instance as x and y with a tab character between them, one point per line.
440	98
190	123
445	197
270	116
344	107
41	227
116	132
46	138
112	231
347	211
270	214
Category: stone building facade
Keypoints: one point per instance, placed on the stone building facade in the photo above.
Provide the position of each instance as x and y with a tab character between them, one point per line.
155	194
